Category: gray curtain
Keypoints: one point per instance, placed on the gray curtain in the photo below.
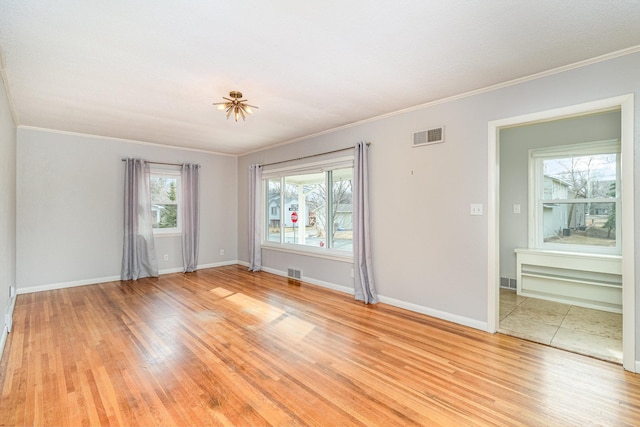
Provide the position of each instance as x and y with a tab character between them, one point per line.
190	216
255	217
139	253
364	284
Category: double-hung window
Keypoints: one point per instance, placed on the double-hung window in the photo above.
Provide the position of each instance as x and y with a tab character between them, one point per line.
310	206
165	201
575	194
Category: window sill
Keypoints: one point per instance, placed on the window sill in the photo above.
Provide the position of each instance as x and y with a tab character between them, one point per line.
568	254
167	234
309	251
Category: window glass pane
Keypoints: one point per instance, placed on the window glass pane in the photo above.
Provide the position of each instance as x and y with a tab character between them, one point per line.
591	224
273	209
164	204
580	177
312	208
342	209
305	210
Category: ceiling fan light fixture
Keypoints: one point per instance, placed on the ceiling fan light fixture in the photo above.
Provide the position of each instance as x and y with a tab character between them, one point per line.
235	105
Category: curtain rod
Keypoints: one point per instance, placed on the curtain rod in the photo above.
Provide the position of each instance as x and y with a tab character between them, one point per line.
311	155
160	163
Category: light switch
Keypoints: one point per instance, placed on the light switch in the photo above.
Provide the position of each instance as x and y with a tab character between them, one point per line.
516	209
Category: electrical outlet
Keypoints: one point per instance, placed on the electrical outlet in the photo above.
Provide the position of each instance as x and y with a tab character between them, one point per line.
221	251
476	209
166	257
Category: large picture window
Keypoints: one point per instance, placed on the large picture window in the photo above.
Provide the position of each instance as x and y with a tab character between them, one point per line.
310	207
576	199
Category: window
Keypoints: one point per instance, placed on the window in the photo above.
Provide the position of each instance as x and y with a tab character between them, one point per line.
575	194
310	207
165	201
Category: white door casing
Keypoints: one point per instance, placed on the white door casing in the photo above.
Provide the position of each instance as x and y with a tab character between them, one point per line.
626	104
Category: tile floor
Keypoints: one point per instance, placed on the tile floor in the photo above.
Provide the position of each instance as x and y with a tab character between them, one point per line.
581	330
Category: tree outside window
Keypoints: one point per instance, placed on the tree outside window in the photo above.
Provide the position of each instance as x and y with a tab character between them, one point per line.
321	204
165	202
576	197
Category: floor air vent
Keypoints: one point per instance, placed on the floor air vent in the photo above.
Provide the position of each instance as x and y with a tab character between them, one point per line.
294	274
429	136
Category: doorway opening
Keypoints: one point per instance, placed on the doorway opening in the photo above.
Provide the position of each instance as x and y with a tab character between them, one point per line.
502	214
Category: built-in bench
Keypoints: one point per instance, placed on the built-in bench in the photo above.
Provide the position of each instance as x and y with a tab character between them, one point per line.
582	279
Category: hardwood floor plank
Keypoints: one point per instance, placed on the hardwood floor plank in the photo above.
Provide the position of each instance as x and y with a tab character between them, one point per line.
225	346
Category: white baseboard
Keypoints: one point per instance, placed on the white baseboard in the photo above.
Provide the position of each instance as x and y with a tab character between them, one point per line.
443	315
465	321
218	264
5	327
3	340
63	285
320	283
200	267
97	280
169	271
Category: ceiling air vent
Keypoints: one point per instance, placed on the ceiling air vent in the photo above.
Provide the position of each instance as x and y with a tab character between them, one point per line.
429	136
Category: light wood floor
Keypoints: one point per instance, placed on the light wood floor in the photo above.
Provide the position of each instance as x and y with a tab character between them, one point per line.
227	347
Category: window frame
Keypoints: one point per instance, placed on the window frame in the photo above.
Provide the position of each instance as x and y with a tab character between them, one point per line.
302	169
172	174
537	201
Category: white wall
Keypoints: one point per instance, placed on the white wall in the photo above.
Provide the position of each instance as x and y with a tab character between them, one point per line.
515	144
429	253
70	207
7	208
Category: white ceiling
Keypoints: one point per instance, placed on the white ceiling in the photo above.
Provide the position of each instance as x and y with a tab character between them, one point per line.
150	70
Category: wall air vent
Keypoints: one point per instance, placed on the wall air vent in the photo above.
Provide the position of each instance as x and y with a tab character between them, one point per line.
429	136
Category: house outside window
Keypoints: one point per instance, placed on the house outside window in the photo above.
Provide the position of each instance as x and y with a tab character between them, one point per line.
165	202
310	207
574	191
